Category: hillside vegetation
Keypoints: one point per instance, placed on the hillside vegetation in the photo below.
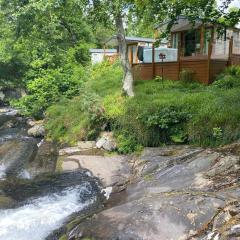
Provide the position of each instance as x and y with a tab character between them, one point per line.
161	112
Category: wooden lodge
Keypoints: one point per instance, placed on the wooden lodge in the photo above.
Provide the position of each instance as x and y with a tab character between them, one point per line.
202	49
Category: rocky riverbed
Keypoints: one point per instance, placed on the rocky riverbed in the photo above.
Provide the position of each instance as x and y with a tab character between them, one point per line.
34	198
172	192
175	192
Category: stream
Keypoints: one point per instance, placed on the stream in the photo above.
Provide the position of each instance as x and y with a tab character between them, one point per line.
34	199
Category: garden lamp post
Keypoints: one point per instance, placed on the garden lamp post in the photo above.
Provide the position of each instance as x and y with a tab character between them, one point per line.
162	56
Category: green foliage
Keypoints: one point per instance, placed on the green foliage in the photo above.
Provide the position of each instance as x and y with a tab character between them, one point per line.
106	79
187	76
127	144
48	88
229	79
172	112
114	106
80	118
168	121
83	117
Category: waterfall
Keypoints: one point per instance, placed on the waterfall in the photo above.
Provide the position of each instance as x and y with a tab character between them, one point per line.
39	217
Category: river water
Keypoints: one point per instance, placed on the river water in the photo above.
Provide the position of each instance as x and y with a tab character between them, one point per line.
38	204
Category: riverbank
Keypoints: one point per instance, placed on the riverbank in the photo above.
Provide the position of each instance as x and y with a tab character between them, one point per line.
34	198
174	192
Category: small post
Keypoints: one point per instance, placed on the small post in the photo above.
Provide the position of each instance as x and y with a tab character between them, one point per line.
209	58
230	51
179	58
202	40
104	50
153	61
131	56
162	56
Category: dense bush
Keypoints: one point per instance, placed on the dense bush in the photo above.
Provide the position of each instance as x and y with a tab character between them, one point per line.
80	118
48	88
229	79
84	116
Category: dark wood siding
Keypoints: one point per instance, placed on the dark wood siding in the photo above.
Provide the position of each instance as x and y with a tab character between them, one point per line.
142	71
199	67
171	70
205	70
216	67
145	71
235	59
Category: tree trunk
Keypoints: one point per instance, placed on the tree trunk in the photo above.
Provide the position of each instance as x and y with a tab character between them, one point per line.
123	53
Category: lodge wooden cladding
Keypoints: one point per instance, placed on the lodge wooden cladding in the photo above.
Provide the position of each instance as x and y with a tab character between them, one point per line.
205	67
199	48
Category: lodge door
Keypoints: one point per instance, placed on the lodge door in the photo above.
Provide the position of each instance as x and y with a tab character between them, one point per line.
190	43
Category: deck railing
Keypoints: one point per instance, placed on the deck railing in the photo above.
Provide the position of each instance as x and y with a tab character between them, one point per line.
220	49
236	47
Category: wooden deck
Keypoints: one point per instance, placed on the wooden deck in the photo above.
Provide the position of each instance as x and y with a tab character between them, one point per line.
205	69
205	65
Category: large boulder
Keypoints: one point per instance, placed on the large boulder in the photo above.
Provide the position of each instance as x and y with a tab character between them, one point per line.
37	130
107	141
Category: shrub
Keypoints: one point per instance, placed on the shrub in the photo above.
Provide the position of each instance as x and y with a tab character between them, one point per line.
78	119
187	75
47	89
114	106
227	81
232	70
127	144
168	121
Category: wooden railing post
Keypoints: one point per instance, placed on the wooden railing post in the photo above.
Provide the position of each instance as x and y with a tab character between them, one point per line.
153	61
202	40
209	59
131	55
179	58
230	51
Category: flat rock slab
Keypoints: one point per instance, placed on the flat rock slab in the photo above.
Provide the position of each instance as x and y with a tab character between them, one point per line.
110	170
182	193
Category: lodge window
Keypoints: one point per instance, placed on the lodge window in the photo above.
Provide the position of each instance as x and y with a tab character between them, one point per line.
175	39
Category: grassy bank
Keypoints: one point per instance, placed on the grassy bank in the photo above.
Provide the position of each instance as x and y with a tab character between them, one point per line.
160	113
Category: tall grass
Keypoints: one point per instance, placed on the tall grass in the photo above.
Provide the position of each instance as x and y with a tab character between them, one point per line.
160	113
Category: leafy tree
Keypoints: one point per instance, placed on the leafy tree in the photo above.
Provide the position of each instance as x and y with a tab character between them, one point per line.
43	34
206	10
113	13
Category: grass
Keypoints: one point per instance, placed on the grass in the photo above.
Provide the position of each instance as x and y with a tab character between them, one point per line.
160	113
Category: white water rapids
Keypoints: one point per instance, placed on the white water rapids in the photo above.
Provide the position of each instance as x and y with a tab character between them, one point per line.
37	219
2	171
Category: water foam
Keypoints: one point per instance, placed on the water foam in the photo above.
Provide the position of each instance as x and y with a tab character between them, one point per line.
2	171
37	219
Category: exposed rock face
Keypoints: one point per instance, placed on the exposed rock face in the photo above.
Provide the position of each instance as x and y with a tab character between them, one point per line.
107	141
179	193
45	159
82	147
110	170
